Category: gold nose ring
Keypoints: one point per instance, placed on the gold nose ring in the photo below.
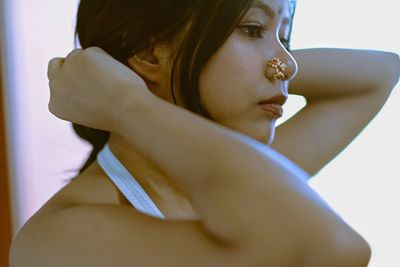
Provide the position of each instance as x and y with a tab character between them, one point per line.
279	68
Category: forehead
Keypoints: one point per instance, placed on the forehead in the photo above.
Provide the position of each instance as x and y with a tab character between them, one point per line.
273	8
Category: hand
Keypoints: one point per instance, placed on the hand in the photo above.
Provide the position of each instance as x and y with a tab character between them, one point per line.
88	87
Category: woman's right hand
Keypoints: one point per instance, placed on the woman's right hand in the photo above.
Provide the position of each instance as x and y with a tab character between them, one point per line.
89	88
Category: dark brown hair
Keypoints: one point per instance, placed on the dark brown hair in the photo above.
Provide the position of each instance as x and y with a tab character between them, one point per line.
125	27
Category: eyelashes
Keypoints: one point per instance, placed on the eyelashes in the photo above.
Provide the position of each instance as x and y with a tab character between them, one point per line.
253	31
256	32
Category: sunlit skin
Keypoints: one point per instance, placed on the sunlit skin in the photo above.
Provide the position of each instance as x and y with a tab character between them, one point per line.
231	85
234	81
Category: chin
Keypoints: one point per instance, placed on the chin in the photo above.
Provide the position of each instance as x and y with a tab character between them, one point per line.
267	138
262	132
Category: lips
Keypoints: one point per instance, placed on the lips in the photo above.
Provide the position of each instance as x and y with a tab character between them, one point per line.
274	105
275	109
277	99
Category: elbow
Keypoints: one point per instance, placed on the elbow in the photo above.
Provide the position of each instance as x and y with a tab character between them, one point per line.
343	248
396	68
355	253
390	71
352	251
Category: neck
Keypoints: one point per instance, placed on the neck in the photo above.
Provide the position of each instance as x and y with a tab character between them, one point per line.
165	194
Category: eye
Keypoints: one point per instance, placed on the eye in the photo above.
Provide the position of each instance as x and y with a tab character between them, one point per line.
254	31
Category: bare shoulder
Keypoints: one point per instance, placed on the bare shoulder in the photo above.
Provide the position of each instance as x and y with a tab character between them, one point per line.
114	235
90	187
90	223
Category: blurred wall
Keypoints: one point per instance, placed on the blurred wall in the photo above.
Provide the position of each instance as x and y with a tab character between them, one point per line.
43	151
5	212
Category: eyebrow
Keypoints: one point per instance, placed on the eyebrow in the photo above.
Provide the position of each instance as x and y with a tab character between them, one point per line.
267	9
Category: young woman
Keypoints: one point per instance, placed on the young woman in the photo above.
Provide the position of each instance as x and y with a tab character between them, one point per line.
187	168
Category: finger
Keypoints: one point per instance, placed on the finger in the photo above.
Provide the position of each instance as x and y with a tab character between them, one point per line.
96	49
54	66
73	53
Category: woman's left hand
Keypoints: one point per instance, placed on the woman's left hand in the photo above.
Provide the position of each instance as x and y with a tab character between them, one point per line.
89	87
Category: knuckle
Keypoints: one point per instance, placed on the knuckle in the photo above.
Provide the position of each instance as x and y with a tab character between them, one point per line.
53	85
76	51
51	108
95	50
52	61
55	110
74	54
54	65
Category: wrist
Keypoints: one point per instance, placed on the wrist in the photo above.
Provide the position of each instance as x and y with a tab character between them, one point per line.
132	102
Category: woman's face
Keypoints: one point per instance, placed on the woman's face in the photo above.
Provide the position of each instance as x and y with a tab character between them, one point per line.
237	77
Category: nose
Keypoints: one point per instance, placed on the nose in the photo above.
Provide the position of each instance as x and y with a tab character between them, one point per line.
282	66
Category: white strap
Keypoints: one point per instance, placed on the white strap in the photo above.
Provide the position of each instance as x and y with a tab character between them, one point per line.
126	183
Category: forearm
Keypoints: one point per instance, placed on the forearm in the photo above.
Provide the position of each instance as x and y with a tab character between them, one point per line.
225	174
329	72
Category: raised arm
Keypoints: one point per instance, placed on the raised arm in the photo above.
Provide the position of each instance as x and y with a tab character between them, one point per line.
344	90
339	72
253	202
245	192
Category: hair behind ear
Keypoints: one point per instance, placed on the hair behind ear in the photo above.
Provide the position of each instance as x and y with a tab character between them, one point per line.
97	138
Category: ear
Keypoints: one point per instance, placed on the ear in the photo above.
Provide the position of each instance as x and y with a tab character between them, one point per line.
152	64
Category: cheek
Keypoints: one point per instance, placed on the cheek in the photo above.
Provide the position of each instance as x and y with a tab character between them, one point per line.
229	81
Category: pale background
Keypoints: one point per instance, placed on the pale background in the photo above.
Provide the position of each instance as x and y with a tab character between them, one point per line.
361	183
